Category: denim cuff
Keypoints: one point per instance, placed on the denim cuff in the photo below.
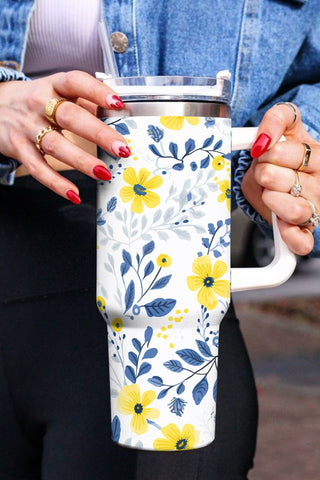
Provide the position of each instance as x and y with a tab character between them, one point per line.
9	165
244	162
8	74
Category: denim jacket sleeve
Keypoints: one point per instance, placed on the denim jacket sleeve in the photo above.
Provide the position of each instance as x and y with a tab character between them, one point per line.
302	87
9	165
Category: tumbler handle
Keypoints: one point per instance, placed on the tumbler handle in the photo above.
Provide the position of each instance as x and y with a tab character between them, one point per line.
283	265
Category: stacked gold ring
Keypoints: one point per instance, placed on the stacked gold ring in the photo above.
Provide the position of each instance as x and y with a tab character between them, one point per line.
306	157
41	134
51	108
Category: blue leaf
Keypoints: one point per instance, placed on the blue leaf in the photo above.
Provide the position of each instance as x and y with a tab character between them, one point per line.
122	128
111	205
204	348
148	248
116	429
162	282
190	145
208	142
126	257
211	229
138	258
145	368
160	307
189	196
154	150
216	253
219	223
200	391
163	393
133	358
173	147
155	133
129	296
190	356
148	335
137	344
125	267
178	166
100	221
193	166
205	242
156	381
151	353
173	365
217	145
210	122
205	162
130	374
215	391
148	269
181	388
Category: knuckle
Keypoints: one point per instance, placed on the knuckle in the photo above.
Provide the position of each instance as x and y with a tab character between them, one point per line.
267	175
33	167
297	212
275	115
50	142
70	79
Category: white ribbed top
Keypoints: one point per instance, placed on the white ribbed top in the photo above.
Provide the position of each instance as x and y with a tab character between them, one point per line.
63	36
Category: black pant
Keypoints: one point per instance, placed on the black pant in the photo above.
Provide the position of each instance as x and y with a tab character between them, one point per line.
54	398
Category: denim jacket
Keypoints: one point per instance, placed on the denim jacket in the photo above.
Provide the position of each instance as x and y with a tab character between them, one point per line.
271	47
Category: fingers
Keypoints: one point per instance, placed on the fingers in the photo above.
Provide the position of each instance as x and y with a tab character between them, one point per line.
299	240
292	210
79	121
43	173
281	119
290	154
55	144
77	84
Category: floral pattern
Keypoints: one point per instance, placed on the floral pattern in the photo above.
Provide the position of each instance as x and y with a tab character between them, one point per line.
176	123
140	189
163	277
175	439
130	402
207	281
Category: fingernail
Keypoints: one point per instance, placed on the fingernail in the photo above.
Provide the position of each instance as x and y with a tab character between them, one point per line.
114	101
102	173
260	145
120	149
73	197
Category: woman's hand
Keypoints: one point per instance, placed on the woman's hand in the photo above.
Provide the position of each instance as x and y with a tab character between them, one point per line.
22	116
268	182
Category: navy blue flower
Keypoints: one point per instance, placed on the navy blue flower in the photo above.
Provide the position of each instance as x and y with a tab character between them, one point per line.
155	133
177	406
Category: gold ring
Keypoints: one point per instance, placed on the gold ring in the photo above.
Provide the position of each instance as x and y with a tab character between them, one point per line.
314	220
293	108
41	134
296	188
306	157
51	108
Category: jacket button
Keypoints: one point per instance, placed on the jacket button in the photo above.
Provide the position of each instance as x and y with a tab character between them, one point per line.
10	64
119	42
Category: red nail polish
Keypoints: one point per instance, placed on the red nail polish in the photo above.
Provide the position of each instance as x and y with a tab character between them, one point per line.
102	173
124	152
260	145
73	197
114	101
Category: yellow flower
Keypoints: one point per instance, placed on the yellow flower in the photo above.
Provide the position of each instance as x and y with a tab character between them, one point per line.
139	191
131	403
177	440
164	261
206	279
224	187
176	123
218	162
101	303
117	324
